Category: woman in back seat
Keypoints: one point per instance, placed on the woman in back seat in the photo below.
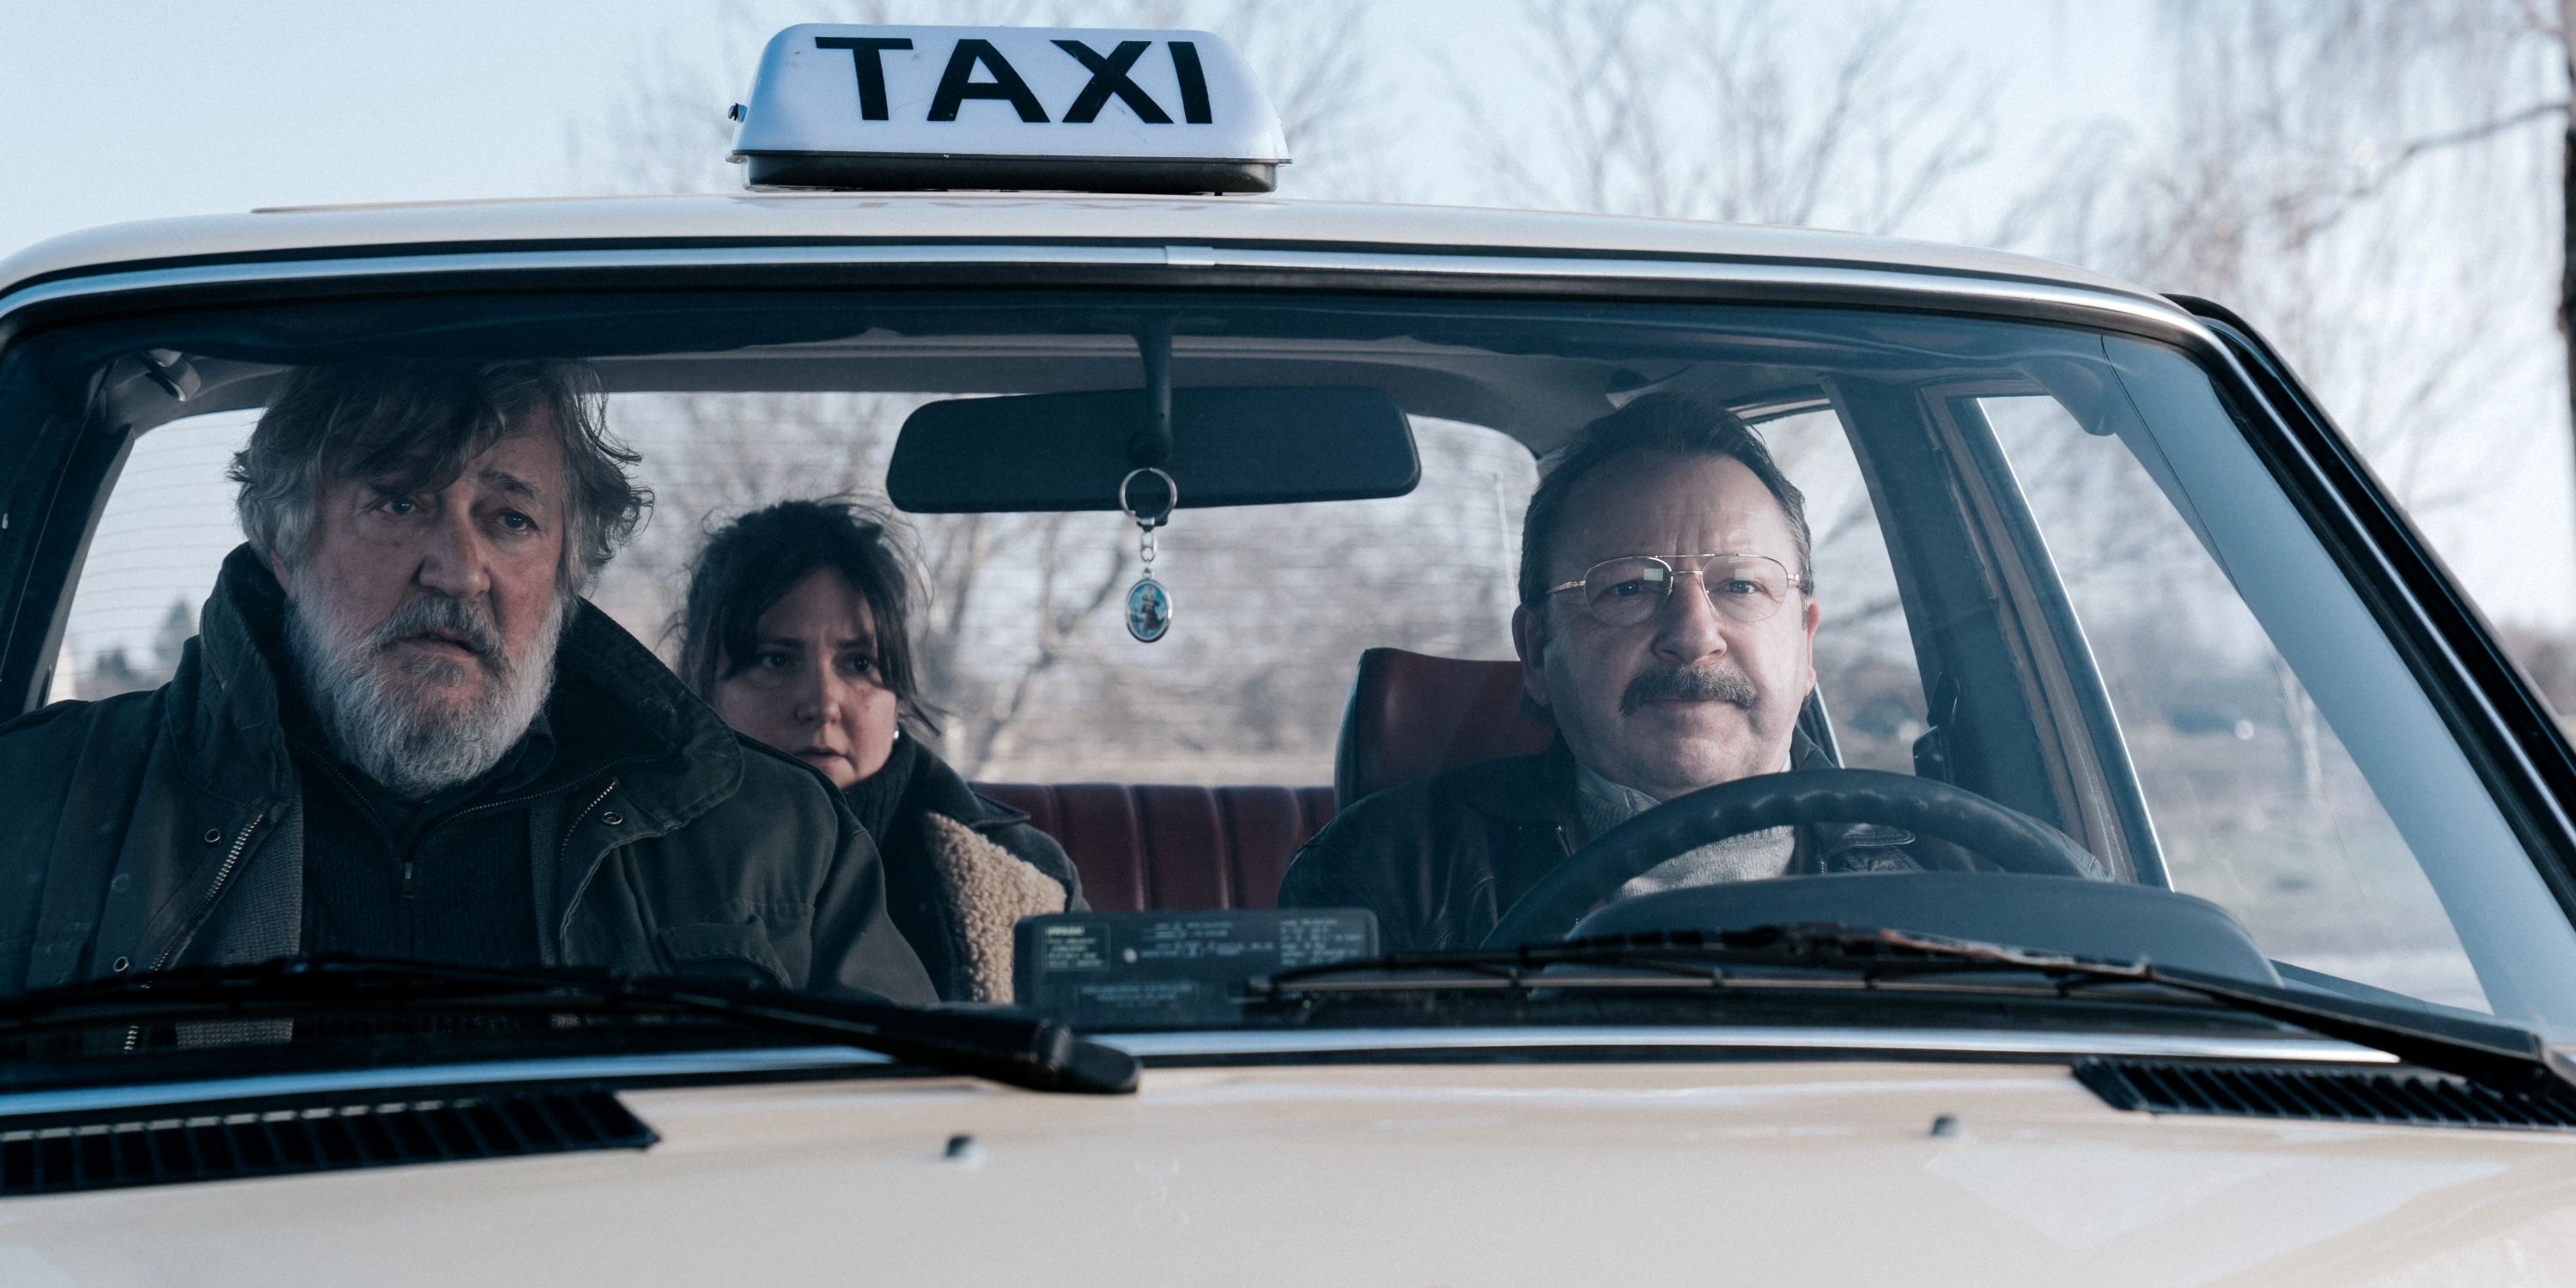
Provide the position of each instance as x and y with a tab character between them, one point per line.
796	631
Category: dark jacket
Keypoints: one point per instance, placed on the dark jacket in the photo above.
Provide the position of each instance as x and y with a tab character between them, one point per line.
961	870
1440	859
164	827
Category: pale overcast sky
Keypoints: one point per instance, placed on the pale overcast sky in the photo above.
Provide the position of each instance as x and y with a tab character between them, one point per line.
157	107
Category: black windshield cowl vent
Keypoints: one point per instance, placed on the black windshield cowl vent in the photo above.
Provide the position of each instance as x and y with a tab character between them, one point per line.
219	1142
2321	1095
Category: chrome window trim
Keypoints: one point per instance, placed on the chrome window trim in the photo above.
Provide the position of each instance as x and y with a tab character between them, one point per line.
1496	265
1182	1047
1910	1041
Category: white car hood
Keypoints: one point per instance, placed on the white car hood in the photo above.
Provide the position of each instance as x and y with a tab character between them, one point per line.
1749	1172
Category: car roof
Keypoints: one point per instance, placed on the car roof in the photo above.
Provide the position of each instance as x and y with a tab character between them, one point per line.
1008	217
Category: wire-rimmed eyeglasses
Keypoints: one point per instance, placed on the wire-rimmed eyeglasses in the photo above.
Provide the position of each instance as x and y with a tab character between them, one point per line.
1630	589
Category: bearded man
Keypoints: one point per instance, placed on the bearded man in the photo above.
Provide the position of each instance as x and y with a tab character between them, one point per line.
1667	624
401	731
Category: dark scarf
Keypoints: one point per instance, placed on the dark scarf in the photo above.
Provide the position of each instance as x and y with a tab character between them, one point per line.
878	798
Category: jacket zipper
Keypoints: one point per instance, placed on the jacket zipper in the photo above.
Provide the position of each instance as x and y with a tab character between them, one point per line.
563	852
223	877
409	870
484	808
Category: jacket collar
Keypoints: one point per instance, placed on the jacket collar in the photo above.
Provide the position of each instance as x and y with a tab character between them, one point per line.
677	758
941	790
614	706
224	697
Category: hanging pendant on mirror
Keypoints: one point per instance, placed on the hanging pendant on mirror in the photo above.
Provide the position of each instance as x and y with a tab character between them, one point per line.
1149	606
1149	609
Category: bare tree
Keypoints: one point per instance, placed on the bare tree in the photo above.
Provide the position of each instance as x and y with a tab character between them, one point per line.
2315	149
1735	113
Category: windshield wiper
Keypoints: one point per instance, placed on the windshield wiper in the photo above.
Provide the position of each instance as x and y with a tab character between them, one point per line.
1829	955
1037	1054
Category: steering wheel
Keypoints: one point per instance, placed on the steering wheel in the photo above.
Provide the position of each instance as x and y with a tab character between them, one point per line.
2008	838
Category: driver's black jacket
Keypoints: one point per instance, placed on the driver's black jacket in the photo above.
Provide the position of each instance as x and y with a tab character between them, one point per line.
167	828
1440	859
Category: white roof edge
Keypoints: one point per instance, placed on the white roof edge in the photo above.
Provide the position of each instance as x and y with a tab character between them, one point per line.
990	217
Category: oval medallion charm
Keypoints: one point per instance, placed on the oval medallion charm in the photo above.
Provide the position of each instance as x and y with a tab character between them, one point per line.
1149	610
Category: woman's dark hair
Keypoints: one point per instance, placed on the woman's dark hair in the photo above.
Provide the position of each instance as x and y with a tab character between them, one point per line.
751	563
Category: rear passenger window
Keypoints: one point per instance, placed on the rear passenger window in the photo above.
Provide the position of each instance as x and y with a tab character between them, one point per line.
1865	664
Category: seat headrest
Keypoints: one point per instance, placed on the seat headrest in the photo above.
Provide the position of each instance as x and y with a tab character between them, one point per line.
1413	715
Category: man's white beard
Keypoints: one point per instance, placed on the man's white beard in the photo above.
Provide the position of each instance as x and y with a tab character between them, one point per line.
413	745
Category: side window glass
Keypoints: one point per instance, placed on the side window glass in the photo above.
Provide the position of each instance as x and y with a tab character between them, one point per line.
1864	655
2257	805
153	558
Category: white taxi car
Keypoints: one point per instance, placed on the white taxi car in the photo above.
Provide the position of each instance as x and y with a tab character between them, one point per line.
2238	943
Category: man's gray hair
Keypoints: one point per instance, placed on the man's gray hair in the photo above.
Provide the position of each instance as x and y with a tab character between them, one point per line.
413	426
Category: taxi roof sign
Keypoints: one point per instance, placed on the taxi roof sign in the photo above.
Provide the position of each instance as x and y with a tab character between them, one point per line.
1085	110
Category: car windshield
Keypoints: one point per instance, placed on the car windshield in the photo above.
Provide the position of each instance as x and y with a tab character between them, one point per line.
2042	568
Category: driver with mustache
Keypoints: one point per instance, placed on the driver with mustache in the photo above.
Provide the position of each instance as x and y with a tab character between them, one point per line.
1666	625
401	731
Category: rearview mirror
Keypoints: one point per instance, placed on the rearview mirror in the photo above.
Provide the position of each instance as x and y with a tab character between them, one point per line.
1229	447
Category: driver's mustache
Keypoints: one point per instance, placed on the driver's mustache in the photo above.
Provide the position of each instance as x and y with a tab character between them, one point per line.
1708	682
